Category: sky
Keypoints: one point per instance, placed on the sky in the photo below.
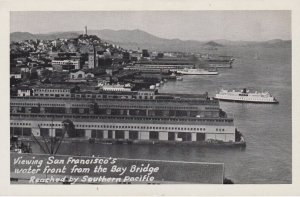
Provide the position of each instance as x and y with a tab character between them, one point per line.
184	25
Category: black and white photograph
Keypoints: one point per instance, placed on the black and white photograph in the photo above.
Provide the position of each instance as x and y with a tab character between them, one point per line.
150	97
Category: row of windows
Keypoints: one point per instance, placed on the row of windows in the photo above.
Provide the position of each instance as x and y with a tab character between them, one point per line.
245	97
51	104
35	104
25	104
145	107
132	118
29	124
80	105
216	108
16	123
257	99
116	89
46	124
61	95
125	127
145	97
87	95
51	90
146	93
136	127
65	62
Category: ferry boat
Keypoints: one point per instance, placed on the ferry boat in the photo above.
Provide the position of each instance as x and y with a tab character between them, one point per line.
197	72
245	96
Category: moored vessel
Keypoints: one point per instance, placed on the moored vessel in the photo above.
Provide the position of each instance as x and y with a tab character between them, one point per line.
198	72
246	96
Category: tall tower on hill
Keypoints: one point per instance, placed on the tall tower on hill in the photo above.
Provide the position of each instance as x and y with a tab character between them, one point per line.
85	30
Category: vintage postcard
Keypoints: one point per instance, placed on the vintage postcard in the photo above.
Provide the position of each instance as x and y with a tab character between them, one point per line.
166	98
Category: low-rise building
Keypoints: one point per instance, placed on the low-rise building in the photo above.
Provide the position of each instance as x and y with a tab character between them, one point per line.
49	67
24	91
52	91
60	63
16	75
24	68
79	74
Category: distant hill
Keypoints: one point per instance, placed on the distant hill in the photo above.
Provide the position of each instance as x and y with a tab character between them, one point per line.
127	36
269	43
19	36
213	44
278	43
134	39
137	39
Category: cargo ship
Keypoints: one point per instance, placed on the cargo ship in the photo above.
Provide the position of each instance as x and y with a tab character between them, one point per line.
197	71
246	96
135	117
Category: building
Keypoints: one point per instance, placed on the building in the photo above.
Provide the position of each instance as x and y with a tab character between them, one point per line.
24	92
93	60
145	53
79	74
57	64
139	117
56	43
48	67
126	56
116	88
16	75
85	31
24	69
135	56
50	91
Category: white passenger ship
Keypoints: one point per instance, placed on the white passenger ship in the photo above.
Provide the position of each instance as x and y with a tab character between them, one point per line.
245	96
197	72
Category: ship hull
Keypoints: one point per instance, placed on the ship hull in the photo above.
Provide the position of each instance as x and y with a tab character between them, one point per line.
246	101
206	73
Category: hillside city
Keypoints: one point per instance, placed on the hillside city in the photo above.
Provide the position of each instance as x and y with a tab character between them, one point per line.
87	60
